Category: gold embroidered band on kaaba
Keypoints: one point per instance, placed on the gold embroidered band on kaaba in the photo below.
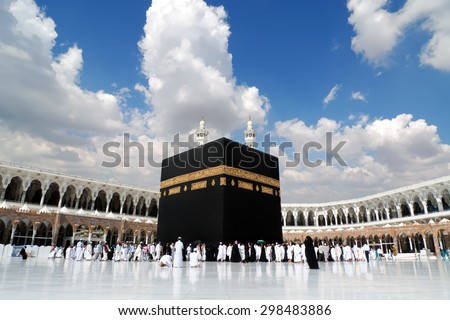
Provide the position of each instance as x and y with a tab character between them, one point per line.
220	170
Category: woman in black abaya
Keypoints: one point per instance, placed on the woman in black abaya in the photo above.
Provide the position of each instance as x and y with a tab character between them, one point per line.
310	253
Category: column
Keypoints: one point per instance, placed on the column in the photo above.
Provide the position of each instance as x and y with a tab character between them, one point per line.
22	197
381	246
411	208
425	207
61	196
424	242
33	236
410	244
121	207
399	247
44	192
295	214
2	196
437	246
357	214
399	211
12	233
108	200
377	214
335	215
439	202
346	215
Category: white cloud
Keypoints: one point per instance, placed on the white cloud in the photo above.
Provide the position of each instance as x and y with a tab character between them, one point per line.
381	154
190	72
49	120
378	30
332	95
357	95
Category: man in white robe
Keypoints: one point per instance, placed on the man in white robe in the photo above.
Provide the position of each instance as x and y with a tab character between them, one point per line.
158	251
178	256
220	253
297	253
80	250
193	259
166	261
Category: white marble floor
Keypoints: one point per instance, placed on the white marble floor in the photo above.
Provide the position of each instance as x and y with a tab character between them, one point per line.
61	279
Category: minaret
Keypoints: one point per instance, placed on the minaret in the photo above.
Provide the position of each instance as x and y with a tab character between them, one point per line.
201	134
250	134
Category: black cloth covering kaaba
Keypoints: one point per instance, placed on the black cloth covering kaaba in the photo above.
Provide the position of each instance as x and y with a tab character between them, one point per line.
220	192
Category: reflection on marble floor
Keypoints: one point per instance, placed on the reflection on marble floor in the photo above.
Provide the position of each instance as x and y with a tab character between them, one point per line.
67	279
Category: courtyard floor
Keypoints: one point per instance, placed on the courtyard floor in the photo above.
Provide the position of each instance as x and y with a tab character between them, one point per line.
39	279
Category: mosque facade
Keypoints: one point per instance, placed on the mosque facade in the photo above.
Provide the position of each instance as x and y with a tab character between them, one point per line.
41	207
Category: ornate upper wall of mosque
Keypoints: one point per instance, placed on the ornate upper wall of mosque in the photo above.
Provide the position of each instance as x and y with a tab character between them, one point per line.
419	202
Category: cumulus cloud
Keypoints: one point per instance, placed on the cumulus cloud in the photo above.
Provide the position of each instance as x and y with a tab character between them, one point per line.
332	95
46	118
358	96
378	30
46	113
190	72
380	154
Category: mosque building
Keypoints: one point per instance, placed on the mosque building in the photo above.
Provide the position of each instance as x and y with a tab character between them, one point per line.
42	207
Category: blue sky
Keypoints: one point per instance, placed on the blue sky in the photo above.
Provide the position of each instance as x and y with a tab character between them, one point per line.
374	73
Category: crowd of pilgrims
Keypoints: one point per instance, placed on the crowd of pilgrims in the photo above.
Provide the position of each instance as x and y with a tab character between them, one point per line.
306	252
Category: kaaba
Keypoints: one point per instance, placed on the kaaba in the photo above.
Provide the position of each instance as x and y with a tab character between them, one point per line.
221	191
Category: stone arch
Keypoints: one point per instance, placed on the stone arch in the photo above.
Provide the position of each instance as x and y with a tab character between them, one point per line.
5	230
331	220
52	195
403	241
362	214
418	242
141	207
290	218
153	208
301	218
352	215
432	205
445	199
393	214
14	189
69	197
112	236
85	202
33	194
68	235
388	242
44	234
340	217
23	234
100	201
373	215
321	220
418	206
310	218
404	208
114	204
444	239
382	211
128	205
